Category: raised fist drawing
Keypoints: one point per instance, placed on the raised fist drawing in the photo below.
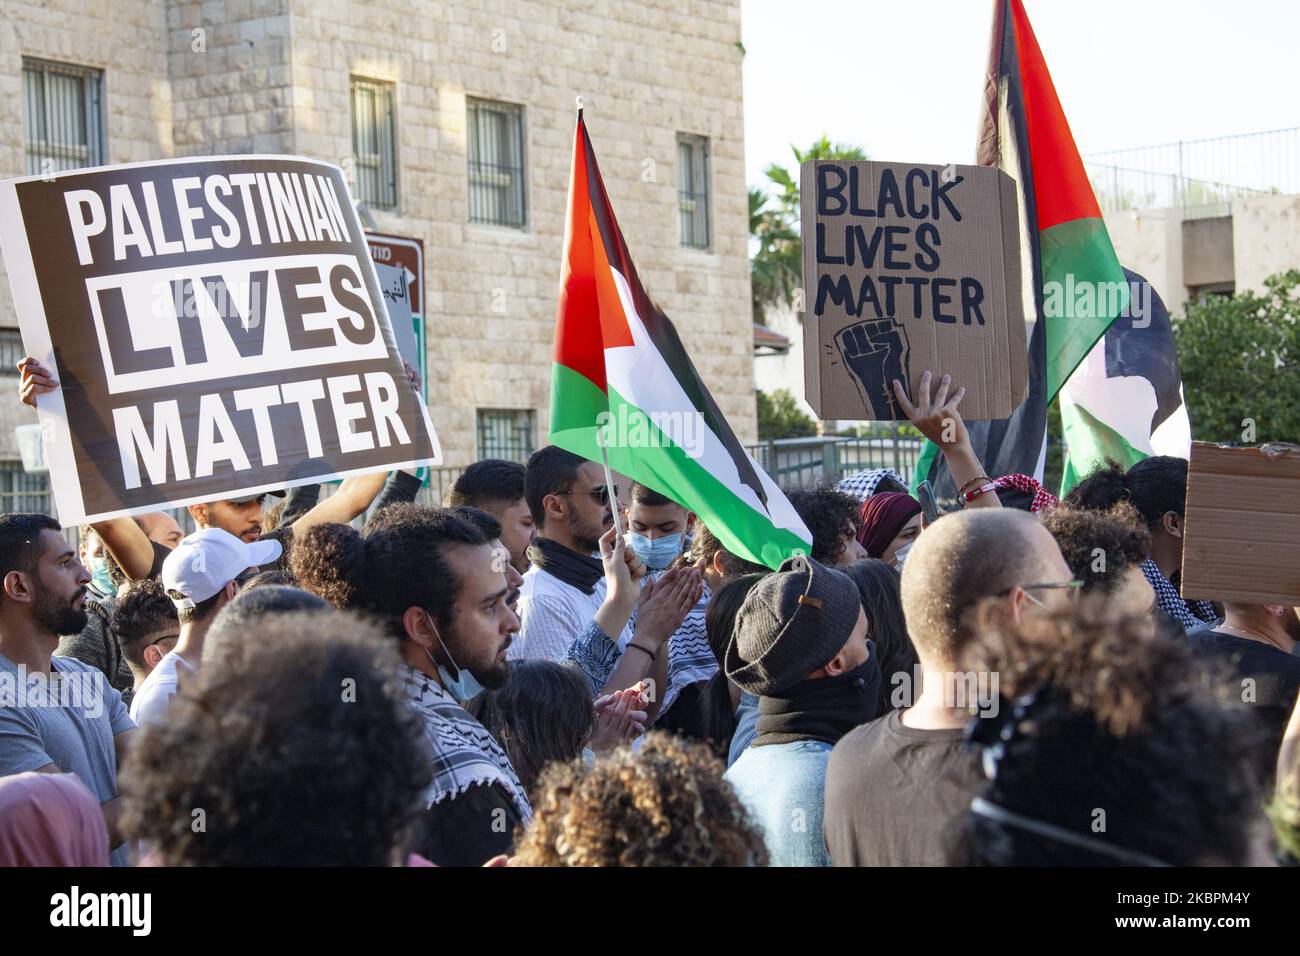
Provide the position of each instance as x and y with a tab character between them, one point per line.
876	353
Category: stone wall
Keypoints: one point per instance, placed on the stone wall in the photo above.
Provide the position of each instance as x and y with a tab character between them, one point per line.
239	76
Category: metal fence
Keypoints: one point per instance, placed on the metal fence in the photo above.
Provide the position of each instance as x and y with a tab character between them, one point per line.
1202	177
804	462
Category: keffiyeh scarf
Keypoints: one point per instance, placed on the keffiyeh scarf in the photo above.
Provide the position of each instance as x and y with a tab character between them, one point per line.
862	485
1043	498
1190	614
464	753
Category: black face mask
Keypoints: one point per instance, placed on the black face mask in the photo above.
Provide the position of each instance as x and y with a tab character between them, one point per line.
824	708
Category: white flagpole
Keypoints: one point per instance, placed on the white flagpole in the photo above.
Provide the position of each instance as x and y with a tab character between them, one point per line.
601	431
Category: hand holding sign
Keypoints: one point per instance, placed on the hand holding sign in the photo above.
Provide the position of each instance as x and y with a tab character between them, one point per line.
36	380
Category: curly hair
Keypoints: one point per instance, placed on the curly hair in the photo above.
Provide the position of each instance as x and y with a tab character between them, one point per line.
665	804
1120	535
1119	718
295	747
329	560
1155	485
831	517
142	611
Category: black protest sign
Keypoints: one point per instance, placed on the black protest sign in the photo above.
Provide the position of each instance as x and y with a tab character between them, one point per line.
909	268
217	329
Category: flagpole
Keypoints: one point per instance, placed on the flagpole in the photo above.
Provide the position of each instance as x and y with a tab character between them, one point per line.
601	431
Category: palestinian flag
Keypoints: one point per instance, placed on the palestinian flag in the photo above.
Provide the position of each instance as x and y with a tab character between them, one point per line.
622	378
1125	401
1074	285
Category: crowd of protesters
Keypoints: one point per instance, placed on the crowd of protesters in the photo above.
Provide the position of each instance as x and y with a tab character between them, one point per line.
547	671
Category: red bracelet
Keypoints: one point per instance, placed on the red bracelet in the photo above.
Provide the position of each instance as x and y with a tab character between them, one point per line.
974	493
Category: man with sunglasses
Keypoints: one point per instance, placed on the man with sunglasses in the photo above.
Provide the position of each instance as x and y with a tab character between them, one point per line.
145	626
200	577
895	785
565	584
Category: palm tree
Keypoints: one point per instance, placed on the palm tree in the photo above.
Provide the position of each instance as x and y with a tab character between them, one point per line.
776	263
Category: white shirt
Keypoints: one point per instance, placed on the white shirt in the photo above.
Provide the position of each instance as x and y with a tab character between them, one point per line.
552	614
149	704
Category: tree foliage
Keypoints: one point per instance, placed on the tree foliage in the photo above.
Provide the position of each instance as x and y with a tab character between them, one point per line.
779	416
1240	358
776	263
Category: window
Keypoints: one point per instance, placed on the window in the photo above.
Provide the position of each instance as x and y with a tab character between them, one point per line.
505	433
693	189
496	163
65	118
20	491
374	143
11	350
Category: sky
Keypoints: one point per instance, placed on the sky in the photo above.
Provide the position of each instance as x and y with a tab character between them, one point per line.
903	79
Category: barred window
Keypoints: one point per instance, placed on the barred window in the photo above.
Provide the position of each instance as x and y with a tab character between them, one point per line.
11	351
374	143
693	189
505	433
496	163
65	119
20	491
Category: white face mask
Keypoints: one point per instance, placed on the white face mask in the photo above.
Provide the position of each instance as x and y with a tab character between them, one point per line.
901	555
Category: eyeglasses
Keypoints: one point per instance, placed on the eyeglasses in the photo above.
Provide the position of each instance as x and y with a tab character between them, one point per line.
174	637
601	494
1073	585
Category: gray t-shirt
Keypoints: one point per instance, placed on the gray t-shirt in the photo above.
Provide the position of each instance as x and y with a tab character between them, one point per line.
69	722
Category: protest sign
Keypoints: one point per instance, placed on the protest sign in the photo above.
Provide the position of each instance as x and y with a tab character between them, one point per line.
216	326
909	267
1241	534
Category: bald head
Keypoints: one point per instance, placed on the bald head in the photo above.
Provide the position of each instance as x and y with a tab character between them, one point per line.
963	559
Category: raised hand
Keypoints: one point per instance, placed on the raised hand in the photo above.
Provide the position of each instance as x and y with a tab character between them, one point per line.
936	418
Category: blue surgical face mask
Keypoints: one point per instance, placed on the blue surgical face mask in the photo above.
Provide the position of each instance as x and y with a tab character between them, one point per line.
656	553
901	555
464	685
99	574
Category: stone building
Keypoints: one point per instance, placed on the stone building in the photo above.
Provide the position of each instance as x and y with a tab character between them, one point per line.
455	120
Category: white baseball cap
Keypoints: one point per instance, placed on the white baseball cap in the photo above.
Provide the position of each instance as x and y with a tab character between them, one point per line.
206	561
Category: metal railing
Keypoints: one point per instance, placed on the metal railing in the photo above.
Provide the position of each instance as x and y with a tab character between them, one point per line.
805	462
1202	177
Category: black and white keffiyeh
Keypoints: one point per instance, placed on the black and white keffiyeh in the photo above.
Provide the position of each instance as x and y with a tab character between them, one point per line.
862	484
464	752
1190	614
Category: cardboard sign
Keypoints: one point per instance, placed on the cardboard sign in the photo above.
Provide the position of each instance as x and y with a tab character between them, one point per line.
906	268
1241	535
217	328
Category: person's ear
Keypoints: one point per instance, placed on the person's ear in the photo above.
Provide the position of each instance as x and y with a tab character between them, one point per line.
1172	522
200	514
836	665
717	563
17	587
152	655
553	506
1016	602
415	622
231	590
1276	610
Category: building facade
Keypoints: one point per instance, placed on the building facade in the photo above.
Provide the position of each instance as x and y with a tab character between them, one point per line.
454	121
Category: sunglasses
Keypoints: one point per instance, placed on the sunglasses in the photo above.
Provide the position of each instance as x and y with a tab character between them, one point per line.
601	494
